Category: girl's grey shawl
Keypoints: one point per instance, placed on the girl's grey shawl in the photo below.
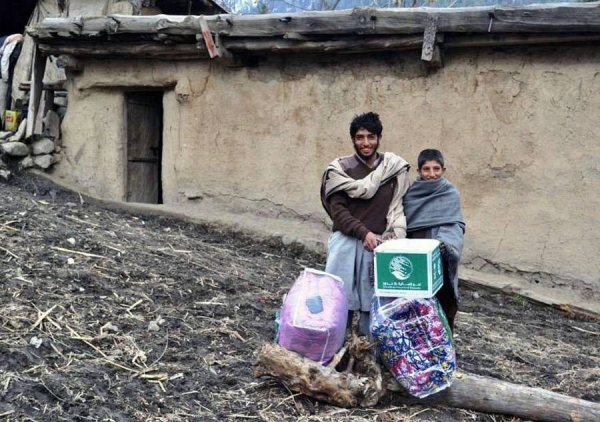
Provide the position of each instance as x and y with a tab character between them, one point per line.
435	206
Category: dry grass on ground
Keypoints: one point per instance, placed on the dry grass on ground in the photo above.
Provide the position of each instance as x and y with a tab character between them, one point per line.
108	316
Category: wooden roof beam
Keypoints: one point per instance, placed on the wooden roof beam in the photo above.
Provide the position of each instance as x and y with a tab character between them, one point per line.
547	18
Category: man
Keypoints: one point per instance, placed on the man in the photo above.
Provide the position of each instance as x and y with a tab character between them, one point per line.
362	194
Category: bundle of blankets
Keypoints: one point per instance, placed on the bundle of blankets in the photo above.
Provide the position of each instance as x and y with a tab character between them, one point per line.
313	317
414	342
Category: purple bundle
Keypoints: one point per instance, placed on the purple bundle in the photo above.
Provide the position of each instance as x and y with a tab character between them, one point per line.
414	342
313	316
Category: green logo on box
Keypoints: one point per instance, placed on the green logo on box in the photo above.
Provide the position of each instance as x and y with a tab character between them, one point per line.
401	267
402	272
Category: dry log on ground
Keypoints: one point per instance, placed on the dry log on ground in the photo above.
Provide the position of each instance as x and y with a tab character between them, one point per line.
303	375
468	391
474	392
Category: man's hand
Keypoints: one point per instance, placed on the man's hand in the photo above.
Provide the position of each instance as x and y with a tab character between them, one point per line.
370	242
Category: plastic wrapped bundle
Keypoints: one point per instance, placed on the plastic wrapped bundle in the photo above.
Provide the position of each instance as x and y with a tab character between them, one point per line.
414	342
313	317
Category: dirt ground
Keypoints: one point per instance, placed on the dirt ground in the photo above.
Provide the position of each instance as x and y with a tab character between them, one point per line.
108	316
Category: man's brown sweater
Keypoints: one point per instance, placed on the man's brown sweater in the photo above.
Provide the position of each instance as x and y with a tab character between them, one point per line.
357	217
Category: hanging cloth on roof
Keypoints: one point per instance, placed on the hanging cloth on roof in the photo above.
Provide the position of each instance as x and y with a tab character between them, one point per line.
8	47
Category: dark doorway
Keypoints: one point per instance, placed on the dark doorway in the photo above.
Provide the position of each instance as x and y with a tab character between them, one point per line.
144	146
14	15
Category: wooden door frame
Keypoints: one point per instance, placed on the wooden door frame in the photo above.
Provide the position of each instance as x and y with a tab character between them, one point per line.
125	143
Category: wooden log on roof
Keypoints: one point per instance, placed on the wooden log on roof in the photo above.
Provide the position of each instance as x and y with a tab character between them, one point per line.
347	45
496	40
561	17
338	45
46	86
343	45
130	50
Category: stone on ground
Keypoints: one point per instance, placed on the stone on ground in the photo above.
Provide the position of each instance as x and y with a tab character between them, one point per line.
15	149
43	161
43	146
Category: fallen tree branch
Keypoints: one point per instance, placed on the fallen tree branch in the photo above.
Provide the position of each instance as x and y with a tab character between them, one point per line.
489	395
303	375
468	391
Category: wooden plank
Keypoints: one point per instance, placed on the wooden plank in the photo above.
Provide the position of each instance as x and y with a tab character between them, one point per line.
213	51
46	106
565	17
349	45
46	86
37	76
429	40
136	50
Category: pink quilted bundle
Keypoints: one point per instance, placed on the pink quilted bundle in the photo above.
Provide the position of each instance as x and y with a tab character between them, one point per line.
314	315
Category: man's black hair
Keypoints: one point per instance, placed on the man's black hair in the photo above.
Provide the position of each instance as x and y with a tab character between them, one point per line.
430	155
369	121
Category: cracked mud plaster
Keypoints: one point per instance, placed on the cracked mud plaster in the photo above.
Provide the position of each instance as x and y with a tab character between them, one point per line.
503	90
540	278
260	206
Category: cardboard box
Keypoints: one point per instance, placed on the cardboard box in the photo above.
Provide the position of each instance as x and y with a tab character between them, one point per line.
410	268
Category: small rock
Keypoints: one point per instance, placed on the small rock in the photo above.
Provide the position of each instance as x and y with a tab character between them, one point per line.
15	149
475	295
43	161
5	174
71	241
36	342
155	325
43	146
70	261
26	163
109	326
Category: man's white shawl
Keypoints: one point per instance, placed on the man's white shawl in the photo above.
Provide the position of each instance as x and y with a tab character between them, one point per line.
335	180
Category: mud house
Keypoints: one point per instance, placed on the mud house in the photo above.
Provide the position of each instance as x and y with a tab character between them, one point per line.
242	114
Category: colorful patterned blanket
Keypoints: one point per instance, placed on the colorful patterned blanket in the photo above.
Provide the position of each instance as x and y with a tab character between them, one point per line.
414	342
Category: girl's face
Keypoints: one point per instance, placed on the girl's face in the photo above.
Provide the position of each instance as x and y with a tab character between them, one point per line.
431	170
